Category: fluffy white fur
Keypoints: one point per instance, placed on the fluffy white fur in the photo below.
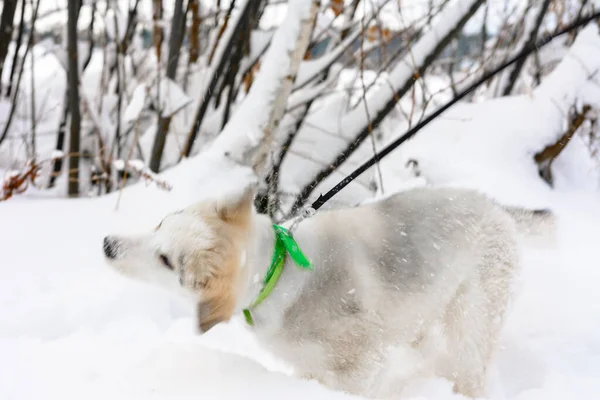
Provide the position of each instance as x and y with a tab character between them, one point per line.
414	285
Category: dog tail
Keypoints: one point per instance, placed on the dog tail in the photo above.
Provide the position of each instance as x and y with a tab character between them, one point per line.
538	227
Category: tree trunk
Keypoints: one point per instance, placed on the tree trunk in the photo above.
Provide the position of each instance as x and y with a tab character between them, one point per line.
248	136
172	62
130	29
32	143
6	30
157	11
62	125
15	98
73	82
226	45
60	140
280	103
13	66
195	31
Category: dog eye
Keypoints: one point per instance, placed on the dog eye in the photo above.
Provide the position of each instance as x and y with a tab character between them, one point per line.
166	262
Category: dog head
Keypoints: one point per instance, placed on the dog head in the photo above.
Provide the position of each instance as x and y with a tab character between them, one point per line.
197	252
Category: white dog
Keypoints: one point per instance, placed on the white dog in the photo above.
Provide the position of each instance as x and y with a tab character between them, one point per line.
415	285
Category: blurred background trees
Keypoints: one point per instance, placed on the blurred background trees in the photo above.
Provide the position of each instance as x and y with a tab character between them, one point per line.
95	95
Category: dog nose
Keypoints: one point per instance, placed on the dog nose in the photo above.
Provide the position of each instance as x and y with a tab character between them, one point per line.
110	247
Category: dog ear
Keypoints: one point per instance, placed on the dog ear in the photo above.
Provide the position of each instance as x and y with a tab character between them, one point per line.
212	311
237	208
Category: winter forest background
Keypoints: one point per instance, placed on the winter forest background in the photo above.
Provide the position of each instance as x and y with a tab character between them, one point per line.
97	95
114	112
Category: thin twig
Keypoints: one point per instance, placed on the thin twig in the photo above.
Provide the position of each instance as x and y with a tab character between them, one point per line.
364	97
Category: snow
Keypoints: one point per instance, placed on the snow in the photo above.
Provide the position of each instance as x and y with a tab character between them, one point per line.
222	45
49	77
347	124
507	129
119	165
116	24
538	116
72	328
247	127
76	329
136	104
259	42
172	97
301	97
310	69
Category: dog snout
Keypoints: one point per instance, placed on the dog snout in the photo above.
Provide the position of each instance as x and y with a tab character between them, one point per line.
110	246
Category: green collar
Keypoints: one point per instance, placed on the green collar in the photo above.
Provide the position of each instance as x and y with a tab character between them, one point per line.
284	244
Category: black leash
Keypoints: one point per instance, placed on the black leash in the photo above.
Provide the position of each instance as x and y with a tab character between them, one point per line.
323	198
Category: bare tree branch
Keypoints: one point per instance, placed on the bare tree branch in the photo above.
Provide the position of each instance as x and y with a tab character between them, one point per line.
428	48
57	162
120	88
130	29
172	62
88	58
364	98
226	46
15	98
157	14
221	31
60	140
546	157
516	71
280	102
194	6
247	138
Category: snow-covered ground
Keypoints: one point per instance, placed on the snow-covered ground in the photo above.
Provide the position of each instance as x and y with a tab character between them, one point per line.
71	328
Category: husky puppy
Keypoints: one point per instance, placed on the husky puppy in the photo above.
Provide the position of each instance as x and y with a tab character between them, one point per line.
411	286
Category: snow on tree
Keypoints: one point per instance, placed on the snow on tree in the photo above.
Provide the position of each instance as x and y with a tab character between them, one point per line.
300	91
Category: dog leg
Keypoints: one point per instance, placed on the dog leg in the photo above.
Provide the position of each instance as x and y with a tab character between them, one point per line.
475	318
468	344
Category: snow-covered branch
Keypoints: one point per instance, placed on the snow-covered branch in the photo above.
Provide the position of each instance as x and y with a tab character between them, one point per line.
514	128
272	85
217	68
248	135
532	35
355	125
